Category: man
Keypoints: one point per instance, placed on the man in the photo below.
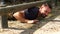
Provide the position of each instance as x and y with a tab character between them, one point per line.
30	15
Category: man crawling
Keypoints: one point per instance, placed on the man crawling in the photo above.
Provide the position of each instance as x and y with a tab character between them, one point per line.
30	15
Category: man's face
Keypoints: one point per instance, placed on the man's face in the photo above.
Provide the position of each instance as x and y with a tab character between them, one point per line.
44	9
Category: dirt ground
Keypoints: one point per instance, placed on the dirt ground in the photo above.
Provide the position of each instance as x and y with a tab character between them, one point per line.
49	25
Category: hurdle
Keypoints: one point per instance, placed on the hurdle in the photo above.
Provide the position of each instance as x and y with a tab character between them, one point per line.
14	8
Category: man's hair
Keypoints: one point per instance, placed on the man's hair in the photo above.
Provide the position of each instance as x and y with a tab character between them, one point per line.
45	3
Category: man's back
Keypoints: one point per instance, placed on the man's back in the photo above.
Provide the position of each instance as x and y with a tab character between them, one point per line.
31	13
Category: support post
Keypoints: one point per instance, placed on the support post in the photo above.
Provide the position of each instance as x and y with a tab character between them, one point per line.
3	21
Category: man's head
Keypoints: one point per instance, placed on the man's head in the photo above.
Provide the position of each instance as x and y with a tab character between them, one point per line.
45	9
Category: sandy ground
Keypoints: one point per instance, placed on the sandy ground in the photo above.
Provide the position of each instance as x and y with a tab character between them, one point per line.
49	25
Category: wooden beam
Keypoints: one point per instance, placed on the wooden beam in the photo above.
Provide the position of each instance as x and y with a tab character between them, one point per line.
4	21
17	7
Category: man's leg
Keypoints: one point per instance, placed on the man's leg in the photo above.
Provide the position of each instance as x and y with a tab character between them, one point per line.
20	17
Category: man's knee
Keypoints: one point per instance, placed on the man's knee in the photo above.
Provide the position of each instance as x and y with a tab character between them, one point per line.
16	14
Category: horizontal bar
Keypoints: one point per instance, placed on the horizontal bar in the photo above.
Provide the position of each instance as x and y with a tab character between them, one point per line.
14	8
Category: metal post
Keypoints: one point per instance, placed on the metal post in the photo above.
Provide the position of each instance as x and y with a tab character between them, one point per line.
4	21
55	2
